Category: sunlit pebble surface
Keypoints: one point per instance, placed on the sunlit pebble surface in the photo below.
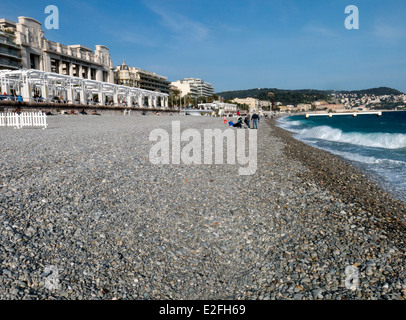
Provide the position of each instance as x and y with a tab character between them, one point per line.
85	215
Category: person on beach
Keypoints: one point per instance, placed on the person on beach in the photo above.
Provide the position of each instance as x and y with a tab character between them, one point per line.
225	119
238	124
247	120
254	119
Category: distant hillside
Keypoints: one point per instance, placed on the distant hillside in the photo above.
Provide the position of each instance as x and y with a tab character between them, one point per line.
381	91
299	96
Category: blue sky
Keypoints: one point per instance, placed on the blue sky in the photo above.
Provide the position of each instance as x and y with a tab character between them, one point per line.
235	44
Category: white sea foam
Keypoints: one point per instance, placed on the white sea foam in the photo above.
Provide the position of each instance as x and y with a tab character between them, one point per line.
377	140
367	159
289	125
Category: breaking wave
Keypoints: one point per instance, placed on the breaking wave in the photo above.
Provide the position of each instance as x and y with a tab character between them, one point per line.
376	140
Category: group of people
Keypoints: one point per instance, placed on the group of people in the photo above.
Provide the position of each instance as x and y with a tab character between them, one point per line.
254	119
13	96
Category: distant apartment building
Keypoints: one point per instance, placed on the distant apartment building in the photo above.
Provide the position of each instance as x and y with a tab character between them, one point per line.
328	106
26	48
185	88
195	87
152	81
252	103
136	77
264	104
304	107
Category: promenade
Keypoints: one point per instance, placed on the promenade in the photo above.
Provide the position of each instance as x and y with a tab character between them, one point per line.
84	214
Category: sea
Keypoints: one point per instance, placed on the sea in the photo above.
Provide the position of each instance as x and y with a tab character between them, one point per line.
376	145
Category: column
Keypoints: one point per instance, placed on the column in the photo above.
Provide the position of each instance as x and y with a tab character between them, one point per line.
60	67
69	92
44	90
46	62
110	76
150	101
115	97
26	89
155	100
70	70
129	98
99	75
140	100
83	96
101	96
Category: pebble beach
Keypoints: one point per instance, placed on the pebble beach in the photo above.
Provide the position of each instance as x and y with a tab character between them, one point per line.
85	215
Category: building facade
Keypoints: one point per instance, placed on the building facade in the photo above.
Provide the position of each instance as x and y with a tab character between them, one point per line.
252	103
10	52
194	87
39	53
136	77
185	88
123	75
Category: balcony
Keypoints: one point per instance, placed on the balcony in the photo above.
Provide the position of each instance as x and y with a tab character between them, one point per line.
9	53
9	64
8	42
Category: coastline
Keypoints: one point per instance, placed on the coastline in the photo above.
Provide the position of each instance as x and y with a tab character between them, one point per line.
347	181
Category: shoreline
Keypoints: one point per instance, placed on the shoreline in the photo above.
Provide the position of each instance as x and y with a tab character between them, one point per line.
347	181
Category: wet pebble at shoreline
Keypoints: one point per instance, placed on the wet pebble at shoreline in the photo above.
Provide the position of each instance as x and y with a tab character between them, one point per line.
85	215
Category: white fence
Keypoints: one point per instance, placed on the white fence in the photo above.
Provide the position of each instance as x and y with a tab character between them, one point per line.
24	119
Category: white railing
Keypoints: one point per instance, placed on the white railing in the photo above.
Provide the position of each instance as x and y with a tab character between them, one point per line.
331	114
24	119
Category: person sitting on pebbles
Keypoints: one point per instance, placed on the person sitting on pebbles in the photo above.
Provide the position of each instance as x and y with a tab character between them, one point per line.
238	124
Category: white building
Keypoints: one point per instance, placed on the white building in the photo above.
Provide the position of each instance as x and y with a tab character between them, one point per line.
185	88
252	103
195	87
37	52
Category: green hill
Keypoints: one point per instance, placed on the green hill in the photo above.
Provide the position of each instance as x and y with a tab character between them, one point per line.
295	97
381	91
